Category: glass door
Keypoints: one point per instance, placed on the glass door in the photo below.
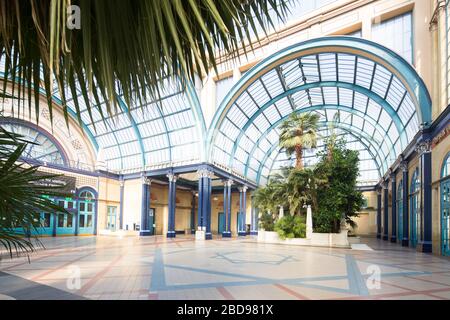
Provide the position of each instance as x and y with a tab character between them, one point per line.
445	217
151	221
400	212
65	222
415	217
221	226
240	222
86	213
111	218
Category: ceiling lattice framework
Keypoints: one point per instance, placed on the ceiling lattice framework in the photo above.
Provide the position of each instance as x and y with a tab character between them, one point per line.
164	132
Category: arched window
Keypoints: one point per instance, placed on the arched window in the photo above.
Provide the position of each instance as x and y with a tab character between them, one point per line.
445	206
415	210
445	173
400	211
41	146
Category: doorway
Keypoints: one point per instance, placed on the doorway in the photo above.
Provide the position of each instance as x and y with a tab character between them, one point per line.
221	226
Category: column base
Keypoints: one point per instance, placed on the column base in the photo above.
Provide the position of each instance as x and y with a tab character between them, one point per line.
242	233
226	234
405	242
378	236
171	234
208	236
253	233
426	247
145	233
200	235
394	239
385	238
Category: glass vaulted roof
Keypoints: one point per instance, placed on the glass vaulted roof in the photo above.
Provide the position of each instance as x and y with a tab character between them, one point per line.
379	103
164	132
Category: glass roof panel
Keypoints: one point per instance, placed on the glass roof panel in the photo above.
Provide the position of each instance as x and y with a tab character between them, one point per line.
371	100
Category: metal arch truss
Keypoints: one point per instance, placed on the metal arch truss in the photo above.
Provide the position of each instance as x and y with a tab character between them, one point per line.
124	134
384	101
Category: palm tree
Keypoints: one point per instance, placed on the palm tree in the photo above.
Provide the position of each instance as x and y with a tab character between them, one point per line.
299	132
303	185
22	196
121	46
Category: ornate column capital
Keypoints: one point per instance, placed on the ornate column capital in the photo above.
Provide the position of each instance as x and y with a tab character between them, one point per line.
392	176
386	185
379	192
243	189
146	180
172	177
122	182
423	147
404	166
228	183
204	173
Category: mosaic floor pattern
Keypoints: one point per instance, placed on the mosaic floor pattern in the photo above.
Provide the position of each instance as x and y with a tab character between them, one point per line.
231	269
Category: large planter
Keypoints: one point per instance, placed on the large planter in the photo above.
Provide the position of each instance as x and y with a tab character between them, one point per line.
331	240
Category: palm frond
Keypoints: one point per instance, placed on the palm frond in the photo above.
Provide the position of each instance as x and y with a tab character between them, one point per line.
23	197
123	47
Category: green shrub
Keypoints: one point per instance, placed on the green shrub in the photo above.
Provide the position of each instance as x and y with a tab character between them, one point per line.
267	221
291	227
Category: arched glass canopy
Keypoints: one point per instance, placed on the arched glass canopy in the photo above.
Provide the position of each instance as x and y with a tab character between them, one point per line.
41	146
165	132
381	100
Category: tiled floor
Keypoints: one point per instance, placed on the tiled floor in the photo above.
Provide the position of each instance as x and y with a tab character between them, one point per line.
181	268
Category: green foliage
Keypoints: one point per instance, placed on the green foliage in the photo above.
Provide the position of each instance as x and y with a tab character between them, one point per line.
267	221
22	192
330	188
340	199
291	227
131	44
299	132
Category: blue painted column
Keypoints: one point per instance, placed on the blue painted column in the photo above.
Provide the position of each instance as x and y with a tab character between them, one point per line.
394	209
200	222
193	213
254	222
207	203
242	209
244	205
122	186
172	204
424	151
227	208
404	167
145	207
386	210
204	202
379	213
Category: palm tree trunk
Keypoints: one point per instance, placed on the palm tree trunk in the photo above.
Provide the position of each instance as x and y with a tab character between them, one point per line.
299	156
